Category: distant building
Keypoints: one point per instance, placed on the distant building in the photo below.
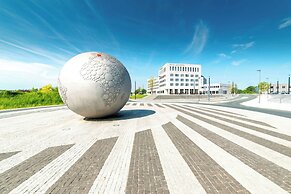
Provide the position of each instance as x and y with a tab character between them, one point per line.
216	88
180	78
278	88
152	85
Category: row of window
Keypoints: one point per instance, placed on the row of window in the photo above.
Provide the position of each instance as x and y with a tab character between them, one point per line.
182	84
182	75
191	80
189	69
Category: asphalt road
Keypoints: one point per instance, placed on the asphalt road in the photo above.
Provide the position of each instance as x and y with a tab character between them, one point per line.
242	98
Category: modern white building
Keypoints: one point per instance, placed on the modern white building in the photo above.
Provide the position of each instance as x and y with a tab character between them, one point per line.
176	78
216	88
153	85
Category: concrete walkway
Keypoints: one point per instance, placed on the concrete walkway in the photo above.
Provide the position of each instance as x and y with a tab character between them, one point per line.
146	148
278	102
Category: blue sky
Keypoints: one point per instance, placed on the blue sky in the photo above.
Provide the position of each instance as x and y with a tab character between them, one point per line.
231	39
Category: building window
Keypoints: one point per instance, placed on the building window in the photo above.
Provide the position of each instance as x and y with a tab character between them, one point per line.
192	84
197	69
186	84
186	75
196	80
196	84
192	80
182	84
177	84
177	75
196	75
176	80
171	84
182	75
171	74
192	75
182	80
187	80
171	79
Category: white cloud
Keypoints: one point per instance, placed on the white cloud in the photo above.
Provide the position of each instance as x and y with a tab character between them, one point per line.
23	75
285	23
199	39
238	47
238	62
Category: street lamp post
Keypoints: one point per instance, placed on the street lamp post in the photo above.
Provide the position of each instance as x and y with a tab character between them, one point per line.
259	85
289	84
209	88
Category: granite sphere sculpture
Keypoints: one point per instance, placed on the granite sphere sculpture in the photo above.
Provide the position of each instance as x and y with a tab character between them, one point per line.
94	85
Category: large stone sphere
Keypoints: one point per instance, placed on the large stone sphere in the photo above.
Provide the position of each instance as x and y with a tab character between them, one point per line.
94	84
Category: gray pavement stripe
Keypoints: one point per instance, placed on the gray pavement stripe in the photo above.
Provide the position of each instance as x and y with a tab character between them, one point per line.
224	111
80	177
145	172
21	172
249	126
269	144
159	106
149	104
7	155
141	104
273	172
236	117
134	104
212	177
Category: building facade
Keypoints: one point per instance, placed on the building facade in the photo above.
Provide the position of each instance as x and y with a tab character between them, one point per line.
180	79
216	88
279	88
153	85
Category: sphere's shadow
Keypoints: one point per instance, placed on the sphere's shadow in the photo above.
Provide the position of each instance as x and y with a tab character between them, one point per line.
124	115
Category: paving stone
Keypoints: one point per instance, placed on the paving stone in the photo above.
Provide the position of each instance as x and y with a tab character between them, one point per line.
160	106
80	177
267	143
273	172
145	171
202	165
232	116
7	155
21	172
242	124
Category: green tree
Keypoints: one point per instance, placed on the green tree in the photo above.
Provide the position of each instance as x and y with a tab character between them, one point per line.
46	89
264	86
250	90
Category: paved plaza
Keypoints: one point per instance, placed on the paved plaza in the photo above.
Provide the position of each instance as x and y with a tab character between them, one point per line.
147	147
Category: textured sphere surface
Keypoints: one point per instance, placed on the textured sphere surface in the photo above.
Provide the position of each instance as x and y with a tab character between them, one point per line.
94	84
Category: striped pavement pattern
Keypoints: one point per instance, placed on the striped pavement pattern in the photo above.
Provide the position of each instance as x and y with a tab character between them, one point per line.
178	148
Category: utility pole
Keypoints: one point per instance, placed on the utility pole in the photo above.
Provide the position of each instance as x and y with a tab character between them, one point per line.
259	85
277	87
289	84
135	90
209	88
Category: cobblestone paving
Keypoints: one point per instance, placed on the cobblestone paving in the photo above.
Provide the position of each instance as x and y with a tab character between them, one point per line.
149	104
236	117
269	144
211	176
223	111
18	174
255	128
80	177
145	171
7	155
160	106
275	173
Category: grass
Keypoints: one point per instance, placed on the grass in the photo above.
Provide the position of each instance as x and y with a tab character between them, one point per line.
20	99
138	96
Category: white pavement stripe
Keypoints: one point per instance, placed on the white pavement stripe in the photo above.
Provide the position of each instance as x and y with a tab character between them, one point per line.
46	177
271	155
179	176
113	176
245	175
250	131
